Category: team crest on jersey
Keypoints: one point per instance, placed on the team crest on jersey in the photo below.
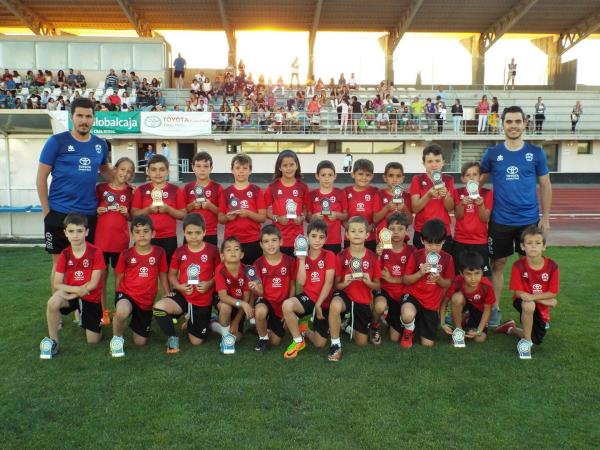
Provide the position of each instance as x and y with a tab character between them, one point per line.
500	158
368	197
143	272
165	194
86	263
276	282
396	270
98	148
321	264
314	277
152	260
545	277
249	194
204	258
70	148
123	198
133	261
295	192
366	265
403	260
264	270
529	156
79	275
207	193
283	270
477	297
241	281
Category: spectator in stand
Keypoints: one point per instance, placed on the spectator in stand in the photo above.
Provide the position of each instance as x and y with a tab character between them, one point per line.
40	80
195	87
71	79
51	105
294	69
457	116
10	85
320	85
160	100
301	100
347	163
314	113
206	90
126	101
6	75
250	86
17	79
345	108
575	115
229	89
19	104
342	80
512	73
80	80
111	80
377	102
416	111
323	98
310	84
61	79
356	108
540	115
29	79
280	85
391	91
237	117
224	118
494	110
48	80
440	114
430	114
134	79
394	117
114	100
155	83
383	120
179	66
483	109
123	81
242	68
352	83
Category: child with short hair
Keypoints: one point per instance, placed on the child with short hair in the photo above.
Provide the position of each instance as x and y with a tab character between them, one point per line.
171	208
286	199
191	274
353	292
393	263
136	278
471	292
242	209
430	201
206	205
393	175
315	272
275	282
78	284
332	197
363	198
534	279
429	272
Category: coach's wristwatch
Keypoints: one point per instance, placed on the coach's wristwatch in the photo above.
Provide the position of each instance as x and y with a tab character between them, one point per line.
478	332
238	304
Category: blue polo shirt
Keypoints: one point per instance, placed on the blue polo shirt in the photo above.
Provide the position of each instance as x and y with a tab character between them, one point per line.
514	175
75	168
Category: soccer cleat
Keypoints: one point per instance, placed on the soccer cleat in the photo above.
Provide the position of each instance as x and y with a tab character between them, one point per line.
375	335
172	345
524	349
506	327
458	338
303	328
48	348
407	338
547	326
105	321
116	347
293	349
335	353
228	344
262	345
495	318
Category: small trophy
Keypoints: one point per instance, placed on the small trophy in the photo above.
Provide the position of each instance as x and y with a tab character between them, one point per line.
111	201
473	189
436	177
433	259
356	268
325	206
157	197
199	194
234	203
301	246
397	192
290	209
251	273
385	237
193	274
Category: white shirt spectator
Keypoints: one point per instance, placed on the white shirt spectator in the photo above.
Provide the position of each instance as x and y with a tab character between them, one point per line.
195	86
352	83
344	108
206	87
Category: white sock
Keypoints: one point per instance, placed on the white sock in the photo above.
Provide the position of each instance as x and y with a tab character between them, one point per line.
337	342
264	338
215	327
409	326
298	340
225	330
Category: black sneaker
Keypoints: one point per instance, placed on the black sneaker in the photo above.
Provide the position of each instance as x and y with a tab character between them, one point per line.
262	345
335	353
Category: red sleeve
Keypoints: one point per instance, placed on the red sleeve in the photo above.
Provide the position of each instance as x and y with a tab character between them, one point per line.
456	195
414	186
344	201
450	185
488	200
377	271
121	263
490	298
162	265
449	269
137	199
516	283
410	264
99	263
220	284
553	285
455	286
339	267
61	263
377	202
260	199
180	198
307	197
222	202
268	197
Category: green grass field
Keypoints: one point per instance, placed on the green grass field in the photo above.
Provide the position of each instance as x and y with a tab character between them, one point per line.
376	397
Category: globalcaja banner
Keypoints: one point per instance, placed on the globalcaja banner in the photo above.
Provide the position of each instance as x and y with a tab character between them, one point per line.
114	122
173	123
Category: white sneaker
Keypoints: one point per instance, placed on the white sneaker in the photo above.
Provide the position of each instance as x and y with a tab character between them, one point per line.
458	338
116	347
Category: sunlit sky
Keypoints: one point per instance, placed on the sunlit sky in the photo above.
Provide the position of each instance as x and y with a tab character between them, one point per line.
440	58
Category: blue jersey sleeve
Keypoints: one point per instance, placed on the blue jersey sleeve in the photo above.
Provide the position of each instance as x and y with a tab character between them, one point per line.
104	153
485	162
49	151
541	164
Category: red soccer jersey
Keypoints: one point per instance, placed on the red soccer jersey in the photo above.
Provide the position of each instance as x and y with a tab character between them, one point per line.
428	292
250	198
395	263
276	196
207	260
316	270
165	225
276	280
78	271
140	274
357	290
235	284
525	279
386	198
483	295
212	193
434	209
337	203
470	229
112	230
364	204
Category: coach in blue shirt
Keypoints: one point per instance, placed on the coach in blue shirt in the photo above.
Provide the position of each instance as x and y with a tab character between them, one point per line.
515	167
74	159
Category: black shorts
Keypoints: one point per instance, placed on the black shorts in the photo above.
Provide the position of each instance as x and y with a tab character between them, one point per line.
274	323
54	231
169	245
178	298
482	249
140	318
198	324
252	252
361	314
321	326
393	316
426	321
335	248
307	304
504	240
288	251
539	326
447	247
371	245
179	73
111	258
474	318
90	314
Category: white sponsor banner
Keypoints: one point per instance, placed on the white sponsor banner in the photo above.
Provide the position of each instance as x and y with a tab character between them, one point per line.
59	121
174	123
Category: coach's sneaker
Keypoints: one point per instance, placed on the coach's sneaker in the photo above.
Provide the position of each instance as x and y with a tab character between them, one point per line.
458	338
48	348
293	349
407	338
375	334
524	349
228	344
506	327
335	353
496	318
116	347
172	345
105	321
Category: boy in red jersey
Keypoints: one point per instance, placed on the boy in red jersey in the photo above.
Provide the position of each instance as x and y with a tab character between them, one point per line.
471	292
242	209
332	198
393	262
431	201
191	274
534	279
393	176
275	281
172	207
363	199
315	272
78	284
354	286
207	205
429	272
231	284
137	274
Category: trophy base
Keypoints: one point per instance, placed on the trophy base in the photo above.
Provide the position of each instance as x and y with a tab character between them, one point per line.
157	205
387	246
357	275
291	216
193	282
300	253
